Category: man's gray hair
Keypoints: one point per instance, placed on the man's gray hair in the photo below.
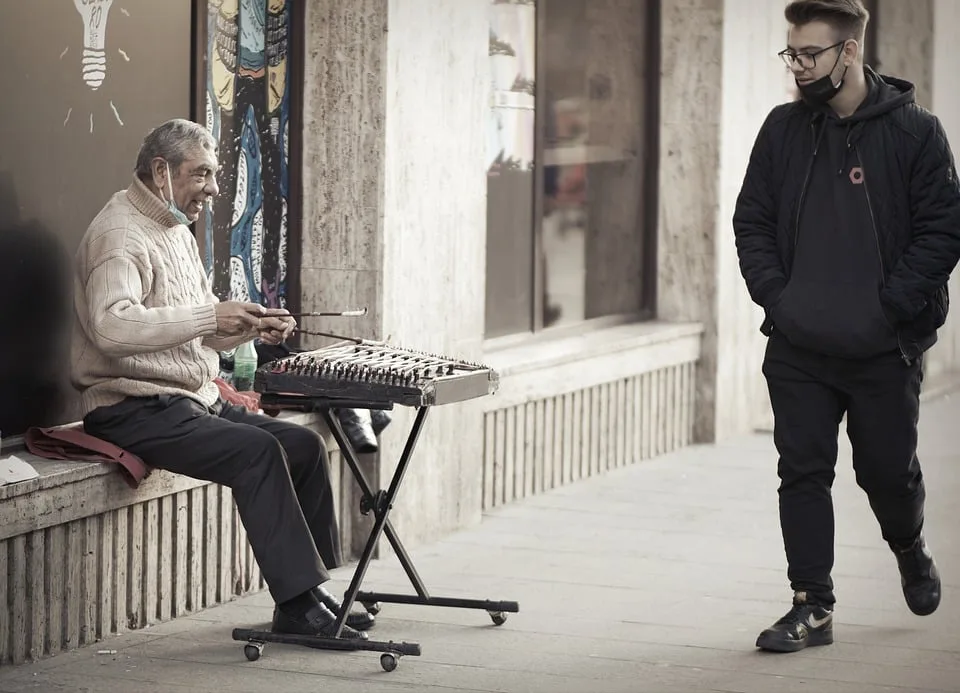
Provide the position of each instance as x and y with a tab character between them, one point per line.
175	141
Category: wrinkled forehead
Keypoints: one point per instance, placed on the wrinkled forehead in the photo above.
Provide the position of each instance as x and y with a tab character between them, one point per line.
811	37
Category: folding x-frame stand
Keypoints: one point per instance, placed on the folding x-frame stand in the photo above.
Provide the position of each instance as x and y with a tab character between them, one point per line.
380	503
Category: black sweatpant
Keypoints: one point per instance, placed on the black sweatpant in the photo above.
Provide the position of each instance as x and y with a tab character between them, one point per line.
278	473
810	393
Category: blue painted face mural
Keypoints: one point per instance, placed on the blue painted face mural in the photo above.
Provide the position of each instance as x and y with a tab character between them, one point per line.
248	105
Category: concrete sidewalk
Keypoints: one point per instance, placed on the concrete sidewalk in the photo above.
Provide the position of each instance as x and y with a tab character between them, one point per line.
653	578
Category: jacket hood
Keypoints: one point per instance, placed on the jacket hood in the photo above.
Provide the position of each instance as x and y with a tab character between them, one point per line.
885	94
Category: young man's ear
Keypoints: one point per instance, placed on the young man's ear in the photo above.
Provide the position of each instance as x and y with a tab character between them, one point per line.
851	50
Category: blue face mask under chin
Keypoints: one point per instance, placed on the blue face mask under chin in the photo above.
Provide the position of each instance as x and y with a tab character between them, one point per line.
171	205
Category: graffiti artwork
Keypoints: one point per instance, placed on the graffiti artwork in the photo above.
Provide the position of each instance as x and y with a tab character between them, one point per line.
93	60
94	15
247	111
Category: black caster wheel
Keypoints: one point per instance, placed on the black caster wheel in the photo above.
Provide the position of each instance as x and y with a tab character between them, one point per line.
498	617
373	608
389	661
252	651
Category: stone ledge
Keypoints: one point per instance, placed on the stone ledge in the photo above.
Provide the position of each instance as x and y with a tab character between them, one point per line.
544	367
577	405
66	491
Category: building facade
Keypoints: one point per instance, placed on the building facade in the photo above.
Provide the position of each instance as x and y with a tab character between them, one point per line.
542	185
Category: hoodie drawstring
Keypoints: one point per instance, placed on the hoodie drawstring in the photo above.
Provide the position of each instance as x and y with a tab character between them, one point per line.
853	135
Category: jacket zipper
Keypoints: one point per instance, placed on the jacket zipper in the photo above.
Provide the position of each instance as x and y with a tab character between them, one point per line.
806	180
876	238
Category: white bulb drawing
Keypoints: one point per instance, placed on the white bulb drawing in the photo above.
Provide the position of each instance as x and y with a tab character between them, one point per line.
94	15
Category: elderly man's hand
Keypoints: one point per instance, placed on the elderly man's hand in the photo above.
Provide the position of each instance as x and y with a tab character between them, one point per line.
236	318
277	326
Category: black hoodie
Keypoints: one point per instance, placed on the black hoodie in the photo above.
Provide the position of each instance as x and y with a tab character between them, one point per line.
831	303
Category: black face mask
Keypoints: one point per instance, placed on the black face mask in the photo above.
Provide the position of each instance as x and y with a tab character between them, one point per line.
820	91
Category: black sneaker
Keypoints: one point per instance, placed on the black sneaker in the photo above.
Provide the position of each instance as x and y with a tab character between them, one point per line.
919	577
317	620
805	625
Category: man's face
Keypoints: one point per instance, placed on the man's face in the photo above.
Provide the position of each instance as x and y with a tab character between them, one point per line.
818	48
193	183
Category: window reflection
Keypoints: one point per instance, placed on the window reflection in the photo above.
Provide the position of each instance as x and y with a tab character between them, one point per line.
567	220
593	95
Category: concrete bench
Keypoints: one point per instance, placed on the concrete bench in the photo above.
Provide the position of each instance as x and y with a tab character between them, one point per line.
83	555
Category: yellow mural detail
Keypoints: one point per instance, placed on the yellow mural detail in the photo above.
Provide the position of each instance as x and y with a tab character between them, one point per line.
221	74
276	74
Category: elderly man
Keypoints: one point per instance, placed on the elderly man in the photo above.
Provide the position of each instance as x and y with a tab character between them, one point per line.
144	360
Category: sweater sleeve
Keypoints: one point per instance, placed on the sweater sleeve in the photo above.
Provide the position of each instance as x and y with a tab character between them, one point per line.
120	325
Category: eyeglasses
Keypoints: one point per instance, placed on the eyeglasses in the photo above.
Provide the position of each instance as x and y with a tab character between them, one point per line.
806	61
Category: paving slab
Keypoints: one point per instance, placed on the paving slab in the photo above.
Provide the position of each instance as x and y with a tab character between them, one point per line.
656	577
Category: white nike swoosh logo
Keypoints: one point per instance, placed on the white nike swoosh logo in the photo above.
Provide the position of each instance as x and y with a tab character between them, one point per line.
817	622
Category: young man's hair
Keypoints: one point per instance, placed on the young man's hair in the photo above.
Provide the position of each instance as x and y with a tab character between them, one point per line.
848	17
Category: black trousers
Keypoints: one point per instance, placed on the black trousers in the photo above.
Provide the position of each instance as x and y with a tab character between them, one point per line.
278	473
810	393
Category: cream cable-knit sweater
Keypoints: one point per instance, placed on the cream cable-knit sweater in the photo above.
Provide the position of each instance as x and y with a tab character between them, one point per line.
145	317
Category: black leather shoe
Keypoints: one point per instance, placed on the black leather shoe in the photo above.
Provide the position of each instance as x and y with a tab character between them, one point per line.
317	620
919	577
805	625
379	420
357	426
358	620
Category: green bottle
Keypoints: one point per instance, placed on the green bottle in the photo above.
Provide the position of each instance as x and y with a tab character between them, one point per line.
244	366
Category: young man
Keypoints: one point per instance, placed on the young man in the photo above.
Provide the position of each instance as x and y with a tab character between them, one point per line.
847	228
145	346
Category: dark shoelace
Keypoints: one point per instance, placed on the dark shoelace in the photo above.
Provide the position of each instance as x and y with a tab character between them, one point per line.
795	616
798	614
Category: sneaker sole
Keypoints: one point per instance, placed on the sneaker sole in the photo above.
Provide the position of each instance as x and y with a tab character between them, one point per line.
930	608
923	611
814	639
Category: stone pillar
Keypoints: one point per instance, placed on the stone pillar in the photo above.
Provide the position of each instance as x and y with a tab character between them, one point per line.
905	43
434	239
690	112
342	195
943	362
394	213
720	78
754	82
917	41
343	163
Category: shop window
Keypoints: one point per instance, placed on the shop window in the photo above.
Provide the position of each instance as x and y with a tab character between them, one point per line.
571	162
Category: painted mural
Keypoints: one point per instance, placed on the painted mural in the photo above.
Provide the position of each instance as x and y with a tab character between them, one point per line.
248	111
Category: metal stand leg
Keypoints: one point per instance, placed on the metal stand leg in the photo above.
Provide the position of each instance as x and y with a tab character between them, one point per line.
381	504
391	652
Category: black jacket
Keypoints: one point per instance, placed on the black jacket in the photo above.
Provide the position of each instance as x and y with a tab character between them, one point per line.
912	190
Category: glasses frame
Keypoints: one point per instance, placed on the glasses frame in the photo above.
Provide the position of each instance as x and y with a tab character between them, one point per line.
790	58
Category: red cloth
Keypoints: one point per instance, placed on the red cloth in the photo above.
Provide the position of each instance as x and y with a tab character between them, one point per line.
73	443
